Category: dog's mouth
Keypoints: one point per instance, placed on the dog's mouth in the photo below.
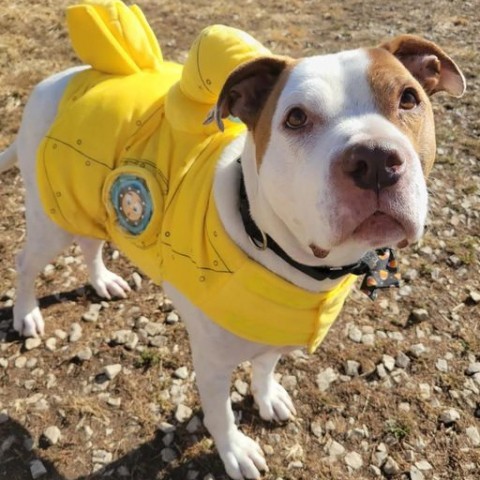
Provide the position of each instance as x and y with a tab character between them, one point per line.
381	229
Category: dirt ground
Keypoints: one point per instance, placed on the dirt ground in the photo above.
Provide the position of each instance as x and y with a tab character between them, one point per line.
116	429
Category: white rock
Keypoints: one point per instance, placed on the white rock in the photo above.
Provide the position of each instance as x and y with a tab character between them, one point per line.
417	350
153	329
368	339
6	444
420	314
352	368
101	457
111	371
423	465
168	455
335	449
449	416
92	314
125	337
183	413
441	365
52	435
37	469
416	474
31	343
381	454
122	470
473	368
172	317
402	360
194	424
114	401
84	354
137	280
354	460
241	386
20	362
88	432
355	334
61	334
181	373
389	362
316	428
474	296
474	435
51	344
326	378
165	427
75	332
381	371
390	467
374	470
425	390
3	363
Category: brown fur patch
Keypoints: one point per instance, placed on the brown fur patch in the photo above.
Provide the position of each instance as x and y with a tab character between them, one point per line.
388	78
263	128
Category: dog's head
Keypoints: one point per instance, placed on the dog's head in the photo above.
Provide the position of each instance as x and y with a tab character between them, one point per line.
341	144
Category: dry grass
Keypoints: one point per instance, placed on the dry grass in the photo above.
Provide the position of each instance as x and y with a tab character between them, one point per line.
33	45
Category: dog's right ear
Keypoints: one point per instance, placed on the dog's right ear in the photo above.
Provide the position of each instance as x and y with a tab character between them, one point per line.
246	90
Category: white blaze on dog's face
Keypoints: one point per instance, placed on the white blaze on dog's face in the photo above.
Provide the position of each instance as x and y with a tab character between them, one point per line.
342	145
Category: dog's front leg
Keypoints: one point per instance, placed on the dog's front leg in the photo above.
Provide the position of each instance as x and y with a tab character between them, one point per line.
274	403
106	283
242	456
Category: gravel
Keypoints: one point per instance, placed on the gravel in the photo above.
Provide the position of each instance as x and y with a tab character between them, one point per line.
183	413
326	378
111	371
449	416
52	435
37	469
389	371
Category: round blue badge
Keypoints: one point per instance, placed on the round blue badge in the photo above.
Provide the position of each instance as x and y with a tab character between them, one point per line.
132	203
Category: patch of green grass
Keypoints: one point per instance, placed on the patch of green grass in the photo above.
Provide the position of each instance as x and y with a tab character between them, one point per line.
148	358
396	428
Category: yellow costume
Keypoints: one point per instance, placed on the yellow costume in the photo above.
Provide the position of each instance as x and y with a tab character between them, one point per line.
128	159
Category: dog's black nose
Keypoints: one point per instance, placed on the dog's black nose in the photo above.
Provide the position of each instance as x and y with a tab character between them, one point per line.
372	167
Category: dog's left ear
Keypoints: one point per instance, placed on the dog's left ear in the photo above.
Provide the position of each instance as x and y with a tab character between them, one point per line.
246	90
428	63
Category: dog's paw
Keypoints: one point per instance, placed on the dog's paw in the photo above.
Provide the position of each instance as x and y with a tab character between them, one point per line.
108	284
274	402
243	458
30	324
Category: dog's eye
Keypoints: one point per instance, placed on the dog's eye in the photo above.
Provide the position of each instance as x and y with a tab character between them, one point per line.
409	99
296	118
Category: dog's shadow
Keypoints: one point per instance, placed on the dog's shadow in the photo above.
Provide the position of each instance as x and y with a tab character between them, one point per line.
142	463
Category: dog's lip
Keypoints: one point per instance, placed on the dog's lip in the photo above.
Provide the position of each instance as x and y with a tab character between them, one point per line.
387	224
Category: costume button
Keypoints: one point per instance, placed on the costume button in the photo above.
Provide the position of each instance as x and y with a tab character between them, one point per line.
215	234
215	263
58	194
202	279
79	141
54	146
139	123
88	163
167	234
52	210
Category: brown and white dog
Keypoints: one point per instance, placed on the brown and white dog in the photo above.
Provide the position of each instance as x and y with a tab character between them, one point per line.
334	160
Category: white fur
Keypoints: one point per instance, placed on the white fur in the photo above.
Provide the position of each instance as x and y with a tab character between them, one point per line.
292	198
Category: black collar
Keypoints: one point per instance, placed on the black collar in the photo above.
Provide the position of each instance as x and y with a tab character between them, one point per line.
370	264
